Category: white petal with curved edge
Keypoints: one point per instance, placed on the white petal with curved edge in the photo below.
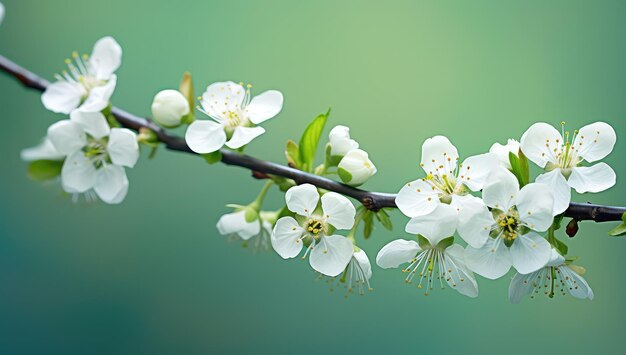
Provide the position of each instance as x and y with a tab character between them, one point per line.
338	210
106	58
1	13
302	199
235	223
94	123
222	97
43	151
67	136
530	252
123	148
98	98
357	163
521	286
535	204
397	252
204	136
473	172
575	284
435	226
264	106
594	178
490	261
417	198
556	259
340	141
502	151
364	263
110	182
559	187
539	142
78	173
475	221
501	190
331	255
439	156
62	96
286	237
458	276
243	136
595	141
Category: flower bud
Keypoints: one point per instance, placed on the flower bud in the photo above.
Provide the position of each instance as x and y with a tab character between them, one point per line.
355	168
340	142
502	151
169	107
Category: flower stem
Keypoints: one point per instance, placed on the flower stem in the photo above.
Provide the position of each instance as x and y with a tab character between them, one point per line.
256	204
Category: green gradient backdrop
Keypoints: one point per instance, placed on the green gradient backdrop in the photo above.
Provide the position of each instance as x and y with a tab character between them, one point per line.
153	276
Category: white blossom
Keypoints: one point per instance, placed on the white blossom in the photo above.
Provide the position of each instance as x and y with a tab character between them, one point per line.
355	168
169	107
503	151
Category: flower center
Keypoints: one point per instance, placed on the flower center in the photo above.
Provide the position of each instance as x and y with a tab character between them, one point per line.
78	72
315	227
96	151
507	227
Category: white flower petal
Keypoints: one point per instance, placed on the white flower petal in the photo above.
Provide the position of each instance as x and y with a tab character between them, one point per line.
539	142
302	199
123	148
364	263
62	96
435	226
458	276
43	151
530	252
331	255
243	136
490	261
235	223
105	58
594	178
397	252
535	204
98	98
559	187
501	190
475	221
222	97
417	198
521	286
78	173
205	136
439	156
286	237
94	123
338	210
475	170
357	163
556	259
575	284
264	106
502	151
110	183
67	136
595	141
340	142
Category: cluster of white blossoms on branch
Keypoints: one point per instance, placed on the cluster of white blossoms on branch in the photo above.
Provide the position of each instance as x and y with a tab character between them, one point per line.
481	215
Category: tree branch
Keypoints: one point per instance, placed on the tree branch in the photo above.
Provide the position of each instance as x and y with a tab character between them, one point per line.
371	200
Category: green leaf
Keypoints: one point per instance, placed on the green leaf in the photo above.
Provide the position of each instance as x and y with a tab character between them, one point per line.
445	243
310	139
42	170
292	153
618	231
368	223
519	167
345	175
560	246
212	158
423	242
383	217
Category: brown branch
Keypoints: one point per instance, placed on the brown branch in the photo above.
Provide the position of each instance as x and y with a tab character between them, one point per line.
371	200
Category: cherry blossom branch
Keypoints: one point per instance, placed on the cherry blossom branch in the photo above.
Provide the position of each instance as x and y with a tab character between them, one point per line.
371	200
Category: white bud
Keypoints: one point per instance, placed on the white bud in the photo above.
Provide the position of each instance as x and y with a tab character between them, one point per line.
169	107
1	12
340	142
502	151
355	168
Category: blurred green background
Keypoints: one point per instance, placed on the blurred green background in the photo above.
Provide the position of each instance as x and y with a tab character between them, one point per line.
153	276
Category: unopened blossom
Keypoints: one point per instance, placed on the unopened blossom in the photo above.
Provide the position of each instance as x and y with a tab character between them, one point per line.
508	234
558	276
562	156
234	117
436	260
340	142
502	151
355	168
1	13
329	253
169	107
89	81
96	155
446	181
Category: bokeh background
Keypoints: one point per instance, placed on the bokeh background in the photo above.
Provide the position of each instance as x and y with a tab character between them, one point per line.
153	276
